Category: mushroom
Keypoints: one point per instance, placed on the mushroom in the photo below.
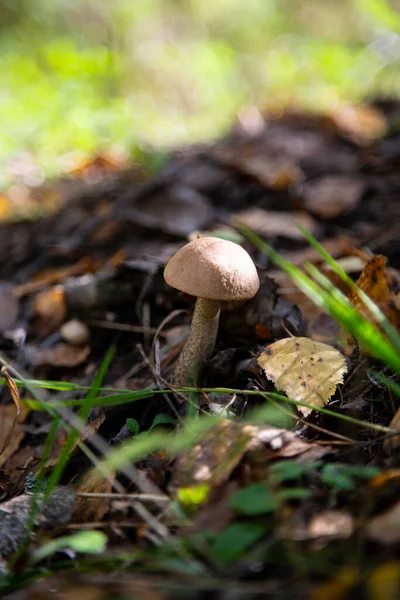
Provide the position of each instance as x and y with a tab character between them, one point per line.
214	270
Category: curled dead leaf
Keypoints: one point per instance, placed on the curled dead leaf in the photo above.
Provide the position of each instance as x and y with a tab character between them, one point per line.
374	282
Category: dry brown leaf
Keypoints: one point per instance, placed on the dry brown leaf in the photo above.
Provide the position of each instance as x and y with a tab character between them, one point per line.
276	223
385	528
360	123
330	523
92	509
15	398
220	450
21	462
56	275
51	309
269	169
60	355
333	195
305	370
374	282
7	424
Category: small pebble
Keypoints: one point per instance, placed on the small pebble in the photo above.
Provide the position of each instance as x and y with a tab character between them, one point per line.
75	332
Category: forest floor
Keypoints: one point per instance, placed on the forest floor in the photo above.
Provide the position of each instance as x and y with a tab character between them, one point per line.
227	489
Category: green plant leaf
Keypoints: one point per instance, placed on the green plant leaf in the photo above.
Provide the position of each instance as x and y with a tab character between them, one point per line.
162	419
231	543
133	426
294	494
90	542
290	470
256	499
337	477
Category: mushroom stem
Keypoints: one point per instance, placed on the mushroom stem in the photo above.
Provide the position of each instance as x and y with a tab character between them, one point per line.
200	343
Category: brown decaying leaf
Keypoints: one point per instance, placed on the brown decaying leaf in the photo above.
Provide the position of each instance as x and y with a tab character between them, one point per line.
331	196
276	223
270	170
49	277
219	452
385	528
92	509
360	123
374	282
305	370
23	461
10	443
60	355
327	524
51	309
15	397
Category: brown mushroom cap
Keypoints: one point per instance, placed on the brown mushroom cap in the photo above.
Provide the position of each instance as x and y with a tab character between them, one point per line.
213	268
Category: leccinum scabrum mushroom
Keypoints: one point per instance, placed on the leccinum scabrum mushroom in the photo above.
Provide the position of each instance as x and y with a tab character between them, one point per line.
213	270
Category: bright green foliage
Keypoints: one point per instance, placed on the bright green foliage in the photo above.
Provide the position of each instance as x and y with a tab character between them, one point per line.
82	75
91	542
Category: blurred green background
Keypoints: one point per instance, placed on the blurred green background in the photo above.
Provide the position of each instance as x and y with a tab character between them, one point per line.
82	75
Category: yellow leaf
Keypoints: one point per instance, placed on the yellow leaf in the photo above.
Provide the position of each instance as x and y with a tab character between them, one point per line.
305	370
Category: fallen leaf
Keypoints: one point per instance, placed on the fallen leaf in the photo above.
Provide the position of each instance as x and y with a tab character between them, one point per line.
326	525
276	223
51	309
335	524
330	196
385	528
374	282
92	509
49	277
305	370
60	355
360	123
7	425
270	171
24	460
219	451
178	210
15	398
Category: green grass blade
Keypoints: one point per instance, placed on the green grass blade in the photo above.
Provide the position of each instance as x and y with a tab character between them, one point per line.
82	416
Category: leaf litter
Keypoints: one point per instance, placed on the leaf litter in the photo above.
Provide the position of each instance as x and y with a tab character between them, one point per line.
262	475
